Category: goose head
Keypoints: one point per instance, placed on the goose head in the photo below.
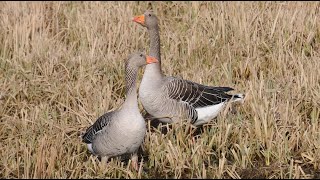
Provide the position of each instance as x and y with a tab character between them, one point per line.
139	59
148	20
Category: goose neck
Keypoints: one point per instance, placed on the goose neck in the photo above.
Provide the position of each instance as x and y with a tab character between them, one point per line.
155	43
131	94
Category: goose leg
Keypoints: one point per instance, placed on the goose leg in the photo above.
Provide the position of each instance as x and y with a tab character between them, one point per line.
191	135
104	161
134	161
194	131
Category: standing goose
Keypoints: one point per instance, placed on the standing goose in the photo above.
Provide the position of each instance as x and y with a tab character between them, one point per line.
169	99
122	131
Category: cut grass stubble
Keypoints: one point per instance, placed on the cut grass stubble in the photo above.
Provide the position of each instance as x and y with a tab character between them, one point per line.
62	66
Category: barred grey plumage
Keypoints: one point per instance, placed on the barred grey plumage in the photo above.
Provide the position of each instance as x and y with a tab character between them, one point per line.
101	122
170	99
122	131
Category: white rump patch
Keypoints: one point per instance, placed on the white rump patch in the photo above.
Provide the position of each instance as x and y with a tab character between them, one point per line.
240	98
90	148
207	113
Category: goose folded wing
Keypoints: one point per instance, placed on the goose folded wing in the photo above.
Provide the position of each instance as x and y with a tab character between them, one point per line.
196	95
101	122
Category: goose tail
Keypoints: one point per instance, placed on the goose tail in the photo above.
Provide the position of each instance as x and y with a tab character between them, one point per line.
238	97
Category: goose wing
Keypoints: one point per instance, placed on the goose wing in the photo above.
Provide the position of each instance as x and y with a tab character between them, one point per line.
194	94
94	129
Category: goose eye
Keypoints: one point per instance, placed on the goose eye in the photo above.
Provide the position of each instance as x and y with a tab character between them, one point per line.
141	55
149	15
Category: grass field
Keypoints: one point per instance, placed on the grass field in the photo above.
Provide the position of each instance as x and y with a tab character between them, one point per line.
62	66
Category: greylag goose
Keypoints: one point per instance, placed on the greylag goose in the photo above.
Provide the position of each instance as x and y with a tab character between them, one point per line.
170	99
122	131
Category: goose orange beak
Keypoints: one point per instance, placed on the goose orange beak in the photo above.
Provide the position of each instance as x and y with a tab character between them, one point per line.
151	60
139	19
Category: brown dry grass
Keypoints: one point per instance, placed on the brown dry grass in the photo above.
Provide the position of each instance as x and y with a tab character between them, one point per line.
62	66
